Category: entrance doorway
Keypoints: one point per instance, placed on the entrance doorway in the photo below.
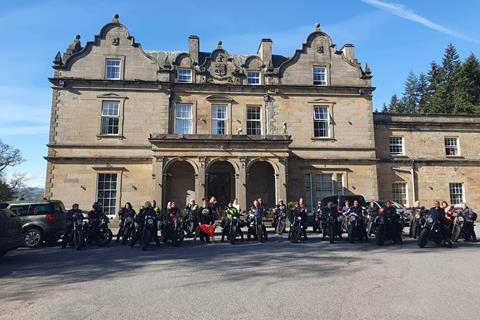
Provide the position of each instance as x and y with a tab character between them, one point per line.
220	182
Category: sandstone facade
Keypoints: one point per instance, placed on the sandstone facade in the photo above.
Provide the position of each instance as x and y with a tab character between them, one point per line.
193	124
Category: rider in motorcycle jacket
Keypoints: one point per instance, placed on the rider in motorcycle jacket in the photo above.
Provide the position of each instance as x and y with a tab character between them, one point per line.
229	213
359	210
124	212
94	215
302	210
70	217
470	218
206	219
438	214
279	209
372	213
139	220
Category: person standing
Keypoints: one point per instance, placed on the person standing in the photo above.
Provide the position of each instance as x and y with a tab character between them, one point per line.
70	216
470	218
126	211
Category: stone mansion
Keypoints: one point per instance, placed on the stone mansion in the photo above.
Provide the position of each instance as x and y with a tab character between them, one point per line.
130	125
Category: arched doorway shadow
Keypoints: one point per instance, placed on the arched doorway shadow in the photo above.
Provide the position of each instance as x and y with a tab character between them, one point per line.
180	183
220	181
261	183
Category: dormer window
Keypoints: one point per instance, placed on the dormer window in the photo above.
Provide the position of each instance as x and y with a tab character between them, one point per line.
112	69
253	77
184	75
320	76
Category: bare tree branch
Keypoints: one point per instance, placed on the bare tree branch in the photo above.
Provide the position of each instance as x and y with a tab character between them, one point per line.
9	156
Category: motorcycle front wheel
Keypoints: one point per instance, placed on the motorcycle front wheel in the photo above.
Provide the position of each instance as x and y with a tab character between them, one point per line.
380	235
423	238
351	234
260	233
105	237
78	239
147	237
233	234
456	233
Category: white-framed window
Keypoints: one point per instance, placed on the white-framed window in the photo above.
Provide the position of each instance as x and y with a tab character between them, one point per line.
396	146
184	75
254	121
253	77
113	68
340	185
323	186
321	122
107	192
219	119
399	192
183	118
110	118
319	76
452	147
457	193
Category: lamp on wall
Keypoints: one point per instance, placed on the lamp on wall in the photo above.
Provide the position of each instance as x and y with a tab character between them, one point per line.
266	98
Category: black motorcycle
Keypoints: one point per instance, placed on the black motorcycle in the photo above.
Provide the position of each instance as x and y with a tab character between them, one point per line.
296	229
355	227
329	226
190	223
388	228
280	225
148	230
100	234
417	222
128	229
431	232
256	228
457	229
80	231
174	231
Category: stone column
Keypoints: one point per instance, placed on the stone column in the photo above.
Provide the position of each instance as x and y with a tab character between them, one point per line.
241	184
281	181
158	180
200	180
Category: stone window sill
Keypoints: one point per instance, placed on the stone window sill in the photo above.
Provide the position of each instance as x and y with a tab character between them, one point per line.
110	136
323	139
455	157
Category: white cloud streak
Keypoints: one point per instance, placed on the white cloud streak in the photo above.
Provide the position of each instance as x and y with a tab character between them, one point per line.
403	12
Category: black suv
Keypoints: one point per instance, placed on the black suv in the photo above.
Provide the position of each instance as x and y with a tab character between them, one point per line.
42	220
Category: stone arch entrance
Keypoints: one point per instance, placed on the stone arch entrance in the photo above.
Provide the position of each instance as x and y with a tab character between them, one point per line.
220	182
261	183
180	183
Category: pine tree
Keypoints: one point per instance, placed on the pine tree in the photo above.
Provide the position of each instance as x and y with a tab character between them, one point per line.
466	92
434	79
394	105
422	91
409	101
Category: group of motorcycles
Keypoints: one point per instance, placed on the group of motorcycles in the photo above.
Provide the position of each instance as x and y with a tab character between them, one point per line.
383	227
84	230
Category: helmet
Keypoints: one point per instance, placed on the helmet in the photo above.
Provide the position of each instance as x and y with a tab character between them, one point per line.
96	205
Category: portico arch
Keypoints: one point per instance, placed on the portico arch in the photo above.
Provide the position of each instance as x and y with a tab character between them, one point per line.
180	182
261	181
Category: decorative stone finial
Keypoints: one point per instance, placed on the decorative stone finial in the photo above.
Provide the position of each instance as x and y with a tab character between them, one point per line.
317	26
115	18
77	37
219	44
58	59
367	69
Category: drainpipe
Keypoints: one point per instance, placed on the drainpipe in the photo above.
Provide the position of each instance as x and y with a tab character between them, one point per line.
412	172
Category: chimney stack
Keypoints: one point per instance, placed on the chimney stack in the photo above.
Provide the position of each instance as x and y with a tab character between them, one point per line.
194	48
349	51
265	52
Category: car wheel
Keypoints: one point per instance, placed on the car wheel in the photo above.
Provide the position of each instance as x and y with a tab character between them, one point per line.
33	238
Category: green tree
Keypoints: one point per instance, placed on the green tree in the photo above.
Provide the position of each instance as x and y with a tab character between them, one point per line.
466	92
409	101
394	105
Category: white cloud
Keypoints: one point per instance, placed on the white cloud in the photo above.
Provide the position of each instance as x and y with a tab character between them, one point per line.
408	14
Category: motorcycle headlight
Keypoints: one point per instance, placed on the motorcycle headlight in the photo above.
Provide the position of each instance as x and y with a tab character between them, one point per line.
150	221
353	218
129	220
299	218
79	221
429	220
460	219
417	216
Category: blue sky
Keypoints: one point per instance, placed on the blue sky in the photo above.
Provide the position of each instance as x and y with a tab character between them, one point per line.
394	37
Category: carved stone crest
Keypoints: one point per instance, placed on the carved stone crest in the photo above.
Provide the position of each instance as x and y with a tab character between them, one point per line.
115	41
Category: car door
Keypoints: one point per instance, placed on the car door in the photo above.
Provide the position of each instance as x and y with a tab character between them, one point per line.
21	211
4	226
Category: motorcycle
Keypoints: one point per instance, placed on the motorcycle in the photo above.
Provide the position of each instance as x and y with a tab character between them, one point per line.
355	227
457	229
190	224
128	229
101	234
296	229
281	223
388	228
147	232
80	230
256	228
323	223
417	222
431	232
174	231
233	229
